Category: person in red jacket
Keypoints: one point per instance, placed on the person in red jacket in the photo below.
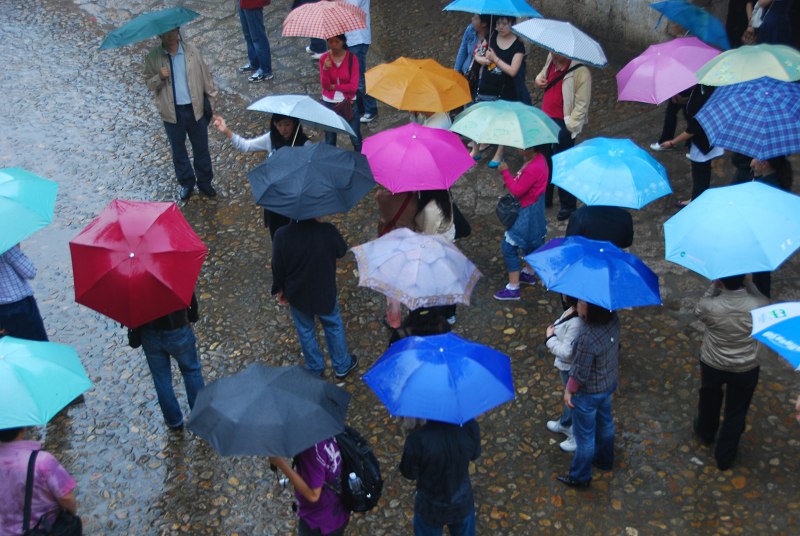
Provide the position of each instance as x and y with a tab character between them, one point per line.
338	76
251	16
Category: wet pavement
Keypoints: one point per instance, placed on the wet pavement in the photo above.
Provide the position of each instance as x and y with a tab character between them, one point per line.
84	118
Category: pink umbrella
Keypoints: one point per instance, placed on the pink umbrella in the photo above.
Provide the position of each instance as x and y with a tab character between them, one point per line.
664	70
414	157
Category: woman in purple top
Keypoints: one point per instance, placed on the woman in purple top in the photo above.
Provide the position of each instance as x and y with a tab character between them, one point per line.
317	472
53	487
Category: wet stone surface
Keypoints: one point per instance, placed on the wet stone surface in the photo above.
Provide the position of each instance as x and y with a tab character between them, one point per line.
84	118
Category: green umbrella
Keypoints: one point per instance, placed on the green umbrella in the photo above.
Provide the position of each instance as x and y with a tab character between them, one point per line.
148	25
512	124
750	63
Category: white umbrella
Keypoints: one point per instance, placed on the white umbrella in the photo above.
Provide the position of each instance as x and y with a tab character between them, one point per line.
562	38
305	109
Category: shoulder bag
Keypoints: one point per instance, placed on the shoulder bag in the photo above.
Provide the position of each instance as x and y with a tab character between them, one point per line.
66	524
507	210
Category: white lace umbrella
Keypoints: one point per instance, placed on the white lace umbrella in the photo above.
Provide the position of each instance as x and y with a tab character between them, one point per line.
562	38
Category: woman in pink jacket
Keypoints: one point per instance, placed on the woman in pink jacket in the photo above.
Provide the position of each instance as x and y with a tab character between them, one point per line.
338	76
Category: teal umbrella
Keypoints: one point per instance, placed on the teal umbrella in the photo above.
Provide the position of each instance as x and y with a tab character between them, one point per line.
38	380
148	25
512	124
26	205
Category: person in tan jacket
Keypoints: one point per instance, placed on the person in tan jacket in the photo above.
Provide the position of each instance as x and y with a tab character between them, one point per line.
184	91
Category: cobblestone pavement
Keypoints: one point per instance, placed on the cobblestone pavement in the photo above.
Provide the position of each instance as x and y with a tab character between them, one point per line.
84	118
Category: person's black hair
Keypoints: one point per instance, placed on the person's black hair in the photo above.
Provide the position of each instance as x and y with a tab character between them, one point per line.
277	139
783	171
597	315
732	282
421	322
488	20
7	435
512	20
343	39
568	301
442	198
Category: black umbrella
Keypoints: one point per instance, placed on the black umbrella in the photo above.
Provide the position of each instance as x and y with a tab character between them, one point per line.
268	411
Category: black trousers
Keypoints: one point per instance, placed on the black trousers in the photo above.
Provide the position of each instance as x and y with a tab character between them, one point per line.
738	392
701	178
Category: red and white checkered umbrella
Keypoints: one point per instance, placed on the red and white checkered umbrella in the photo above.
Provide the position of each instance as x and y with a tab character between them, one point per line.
324	19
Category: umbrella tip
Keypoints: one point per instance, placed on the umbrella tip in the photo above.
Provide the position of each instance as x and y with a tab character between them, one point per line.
132	255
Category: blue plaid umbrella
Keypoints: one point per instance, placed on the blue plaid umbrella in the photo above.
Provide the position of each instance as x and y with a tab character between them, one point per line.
759	118
695	20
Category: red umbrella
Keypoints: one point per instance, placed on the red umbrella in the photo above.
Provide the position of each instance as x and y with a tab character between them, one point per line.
136	261
324	19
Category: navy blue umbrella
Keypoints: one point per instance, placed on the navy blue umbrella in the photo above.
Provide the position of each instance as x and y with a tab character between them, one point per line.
695	20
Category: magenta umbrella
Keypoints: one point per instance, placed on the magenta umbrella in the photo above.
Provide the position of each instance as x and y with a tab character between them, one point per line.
664	70
414	157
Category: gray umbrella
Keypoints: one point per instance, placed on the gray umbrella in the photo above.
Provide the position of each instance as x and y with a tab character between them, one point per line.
268	411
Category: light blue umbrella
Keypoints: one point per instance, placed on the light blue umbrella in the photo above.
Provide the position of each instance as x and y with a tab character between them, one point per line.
26	205
508	8
37	380
611	172
778	326
304	108
506	123
733	230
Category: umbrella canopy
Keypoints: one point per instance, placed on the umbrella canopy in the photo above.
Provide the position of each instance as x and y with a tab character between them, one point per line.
694	20
39	379
268	411
595	271
612	172
760	118
441	377
26	205
750	62
562	38
778	326
418	85
733	230
513	124
148	25
302	107
415	269
137	261
508	8
324	19
415	157
311	181
663	70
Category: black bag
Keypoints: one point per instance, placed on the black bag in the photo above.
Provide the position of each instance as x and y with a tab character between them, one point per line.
66	524
463	228
358	458
507	210
135	337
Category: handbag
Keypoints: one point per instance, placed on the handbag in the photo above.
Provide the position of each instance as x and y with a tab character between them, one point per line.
507	210
134	337
344	108
66	524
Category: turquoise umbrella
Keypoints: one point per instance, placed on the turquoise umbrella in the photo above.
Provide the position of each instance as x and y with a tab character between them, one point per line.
148	25
38	379
26	205
508	8
512	124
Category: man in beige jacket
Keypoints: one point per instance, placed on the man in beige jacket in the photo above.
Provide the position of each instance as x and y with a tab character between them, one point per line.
184	93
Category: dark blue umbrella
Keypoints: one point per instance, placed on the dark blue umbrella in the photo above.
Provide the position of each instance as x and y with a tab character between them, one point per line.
441	377
759	118
695	20
311	181
595	271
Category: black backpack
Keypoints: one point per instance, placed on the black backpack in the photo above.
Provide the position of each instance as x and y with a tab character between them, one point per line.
358	458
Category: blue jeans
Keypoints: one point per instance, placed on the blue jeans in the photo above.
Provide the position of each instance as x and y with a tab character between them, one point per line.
527	234
197	130
366	103
258	53
158	346
465	527
593	429
355	124
21	319
334	336
566	413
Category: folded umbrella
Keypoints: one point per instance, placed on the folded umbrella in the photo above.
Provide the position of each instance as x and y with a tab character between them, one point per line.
304	108
323	20
611	172
507	8
441	377
694	20
778	326
39	379
26	205
562	38
513	124
751	62
148	25
734	230
595	271
268	411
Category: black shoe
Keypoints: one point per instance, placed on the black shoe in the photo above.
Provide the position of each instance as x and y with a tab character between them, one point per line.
176	428
351	368
696	429
566	479
248	68
186	192
603	467
207	189
564	214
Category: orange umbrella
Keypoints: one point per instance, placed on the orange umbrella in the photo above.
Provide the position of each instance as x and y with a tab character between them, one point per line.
418	85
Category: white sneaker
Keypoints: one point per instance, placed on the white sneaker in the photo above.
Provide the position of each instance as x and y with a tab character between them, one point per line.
557	428
568	445
316	55
657	147
308	50
367	118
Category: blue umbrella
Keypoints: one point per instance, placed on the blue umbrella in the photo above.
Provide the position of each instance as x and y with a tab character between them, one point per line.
611	172
38	380
733	230
148	25
508	8
595	271
311	181
26	205
759	118
778	326
695	20
441	377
